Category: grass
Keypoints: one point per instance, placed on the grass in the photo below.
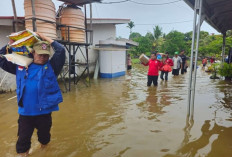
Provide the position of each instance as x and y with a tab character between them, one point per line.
135	61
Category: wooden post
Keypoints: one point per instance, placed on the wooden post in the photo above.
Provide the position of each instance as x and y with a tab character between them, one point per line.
86	46
15	16
91	24
33	14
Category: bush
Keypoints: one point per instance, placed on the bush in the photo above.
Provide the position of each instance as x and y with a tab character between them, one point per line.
213	67
215	70
226	70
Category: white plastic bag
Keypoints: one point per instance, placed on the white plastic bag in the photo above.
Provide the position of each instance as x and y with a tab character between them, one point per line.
18	59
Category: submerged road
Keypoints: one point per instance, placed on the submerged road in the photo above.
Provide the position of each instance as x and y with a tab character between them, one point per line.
124	118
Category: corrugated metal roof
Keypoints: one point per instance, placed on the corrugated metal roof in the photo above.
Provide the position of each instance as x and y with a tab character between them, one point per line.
218	13
80	2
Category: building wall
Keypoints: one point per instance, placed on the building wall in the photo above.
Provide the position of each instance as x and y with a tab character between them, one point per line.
100	32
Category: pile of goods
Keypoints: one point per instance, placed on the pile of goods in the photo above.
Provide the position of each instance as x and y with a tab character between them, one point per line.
166	68
22	47
160	56
143	58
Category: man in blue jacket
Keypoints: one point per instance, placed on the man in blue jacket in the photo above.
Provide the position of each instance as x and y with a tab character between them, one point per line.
38	93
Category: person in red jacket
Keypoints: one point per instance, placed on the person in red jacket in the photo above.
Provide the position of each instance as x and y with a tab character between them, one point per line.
166	61
212	60
153	71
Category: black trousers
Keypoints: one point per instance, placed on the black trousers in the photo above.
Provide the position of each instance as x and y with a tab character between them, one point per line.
152	79
175	72
183	69
162	75
26	126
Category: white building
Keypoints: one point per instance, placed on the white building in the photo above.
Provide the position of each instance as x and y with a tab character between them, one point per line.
102	30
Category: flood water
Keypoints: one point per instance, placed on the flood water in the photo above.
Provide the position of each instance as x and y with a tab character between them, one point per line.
123	118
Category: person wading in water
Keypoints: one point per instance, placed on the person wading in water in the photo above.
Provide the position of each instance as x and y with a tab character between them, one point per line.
177	64
38	92
153	71
166	62
183	66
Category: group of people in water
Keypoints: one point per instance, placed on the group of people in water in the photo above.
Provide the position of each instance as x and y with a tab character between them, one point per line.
165	64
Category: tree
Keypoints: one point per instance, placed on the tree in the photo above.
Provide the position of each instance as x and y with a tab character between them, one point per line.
155	37
150	36
145	45
164	35
213	45
130	26
157	32
188	36
210	44
174	41
203	34
134	35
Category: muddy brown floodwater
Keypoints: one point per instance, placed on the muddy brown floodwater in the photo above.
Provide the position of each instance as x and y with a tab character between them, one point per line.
124	118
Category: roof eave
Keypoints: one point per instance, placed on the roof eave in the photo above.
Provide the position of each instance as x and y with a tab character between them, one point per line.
207	19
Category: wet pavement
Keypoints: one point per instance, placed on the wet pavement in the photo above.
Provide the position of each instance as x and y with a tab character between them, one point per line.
124	118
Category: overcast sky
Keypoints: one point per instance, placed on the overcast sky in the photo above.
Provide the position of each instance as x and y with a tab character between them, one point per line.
145	17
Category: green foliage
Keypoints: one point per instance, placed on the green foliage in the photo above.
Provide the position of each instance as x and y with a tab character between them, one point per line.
148	54
145	45
131	25
209	45
226	70
229	33
215	70
212	45
157	32
135	35
210	68
150	36
135	61
174	41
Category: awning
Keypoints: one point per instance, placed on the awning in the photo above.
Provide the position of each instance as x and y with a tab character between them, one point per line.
218	13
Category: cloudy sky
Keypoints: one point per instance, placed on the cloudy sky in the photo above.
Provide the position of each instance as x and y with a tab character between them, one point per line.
174	16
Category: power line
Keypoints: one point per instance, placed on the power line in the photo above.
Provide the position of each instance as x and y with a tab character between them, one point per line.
166	23
132	1
155	3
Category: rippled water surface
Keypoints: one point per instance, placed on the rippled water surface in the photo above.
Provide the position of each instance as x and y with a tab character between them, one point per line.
123	118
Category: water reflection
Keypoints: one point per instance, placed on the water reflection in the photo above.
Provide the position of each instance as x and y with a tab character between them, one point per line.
223	87
214	139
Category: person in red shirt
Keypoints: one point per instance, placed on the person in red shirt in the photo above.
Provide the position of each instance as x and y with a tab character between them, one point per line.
153	71
204	62
166	61
212	60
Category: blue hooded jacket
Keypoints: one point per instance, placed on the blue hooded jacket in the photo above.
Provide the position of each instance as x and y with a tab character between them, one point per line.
37	90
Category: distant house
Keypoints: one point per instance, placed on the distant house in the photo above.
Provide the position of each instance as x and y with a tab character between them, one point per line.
102	29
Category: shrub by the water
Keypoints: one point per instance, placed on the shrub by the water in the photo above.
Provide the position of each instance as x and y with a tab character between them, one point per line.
226	70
